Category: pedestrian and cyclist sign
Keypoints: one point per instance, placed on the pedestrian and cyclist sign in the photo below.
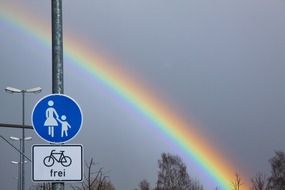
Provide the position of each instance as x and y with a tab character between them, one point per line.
57	163
57	118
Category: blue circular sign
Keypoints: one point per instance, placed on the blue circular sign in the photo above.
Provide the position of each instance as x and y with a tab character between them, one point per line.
57	118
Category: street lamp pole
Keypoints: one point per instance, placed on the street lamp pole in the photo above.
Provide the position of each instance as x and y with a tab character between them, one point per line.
23	142
19	173
18	178
15	90
21	160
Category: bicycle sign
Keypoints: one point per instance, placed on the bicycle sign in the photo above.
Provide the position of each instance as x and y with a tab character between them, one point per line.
58	157
57	163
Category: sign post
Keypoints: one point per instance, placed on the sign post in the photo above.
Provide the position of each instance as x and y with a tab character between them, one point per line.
57	57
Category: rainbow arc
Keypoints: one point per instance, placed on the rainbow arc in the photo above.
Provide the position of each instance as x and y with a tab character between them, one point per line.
170	124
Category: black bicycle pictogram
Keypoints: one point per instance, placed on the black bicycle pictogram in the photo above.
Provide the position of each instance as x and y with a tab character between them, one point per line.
58	157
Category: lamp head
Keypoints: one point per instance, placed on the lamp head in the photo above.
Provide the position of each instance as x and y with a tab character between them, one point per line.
34	90
15	138
12	90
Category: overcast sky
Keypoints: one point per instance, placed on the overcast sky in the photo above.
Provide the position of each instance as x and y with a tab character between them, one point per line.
218	62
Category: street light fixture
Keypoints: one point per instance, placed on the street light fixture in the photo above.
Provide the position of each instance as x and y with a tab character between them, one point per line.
12	90
17	139
23	92
15	162
16	90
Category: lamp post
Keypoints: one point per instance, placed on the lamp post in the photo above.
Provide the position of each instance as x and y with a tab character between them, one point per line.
20	163
23	92
18	178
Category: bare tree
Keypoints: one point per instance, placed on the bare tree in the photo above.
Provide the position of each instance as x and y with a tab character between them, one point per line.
237	183
277	178
144	185
94	180
259	182
196	185
172	173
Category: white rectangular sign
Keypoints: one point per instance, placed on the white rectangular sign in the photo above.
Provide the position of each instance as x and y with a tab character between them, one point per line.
57	163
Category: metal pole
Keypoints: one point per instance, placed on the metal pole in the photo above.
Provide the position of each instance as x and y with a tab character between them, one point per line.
57	59
20	167
57	47
15	126
23	142
19	174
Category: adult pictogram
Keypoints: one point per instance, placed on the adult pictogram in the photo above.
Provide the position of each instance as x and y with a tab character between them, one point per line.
51	118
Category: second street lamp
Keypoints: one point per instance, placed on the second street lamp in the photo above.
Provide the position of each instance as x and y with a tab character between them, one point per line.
20	163
23	92
18	178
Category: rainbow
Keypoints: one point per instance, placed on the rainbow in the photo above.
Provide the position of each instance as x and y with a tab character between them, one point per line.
139	97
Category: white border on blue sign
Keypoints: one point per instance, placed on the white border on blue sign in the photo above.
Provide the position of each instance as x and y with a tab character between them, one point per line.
77	106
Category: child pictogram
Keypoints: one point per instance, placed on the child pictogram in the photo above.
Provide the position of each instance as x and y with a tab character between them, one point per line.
64	126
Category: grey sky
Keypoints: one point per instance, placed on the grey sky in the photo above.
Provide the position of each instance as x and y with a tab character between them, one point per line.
219	62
